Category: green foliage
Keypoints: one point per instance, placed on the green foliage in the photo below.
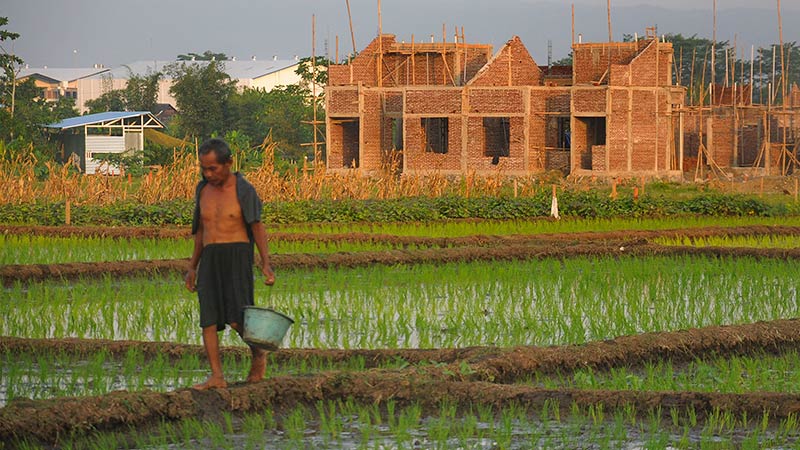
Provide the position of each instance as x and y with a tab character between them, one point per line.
207	55
130	161
8	62
579	205
113	100
319	76
140	94
280	112
201	92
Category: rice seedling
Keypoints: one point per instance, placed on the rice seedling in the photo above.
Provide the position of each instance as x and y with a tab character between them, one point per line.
510	428
762	241
29	249
738	374
533	226
450	305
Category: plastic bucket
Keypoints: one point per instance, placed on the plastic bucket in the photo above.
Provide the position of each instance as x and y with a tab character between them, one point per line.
264	327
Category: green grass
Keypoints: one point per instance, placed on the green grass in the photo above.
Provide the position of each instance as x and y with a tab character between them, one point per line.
25	249
740	374
425	306
347	425
764	241
43	375
504	227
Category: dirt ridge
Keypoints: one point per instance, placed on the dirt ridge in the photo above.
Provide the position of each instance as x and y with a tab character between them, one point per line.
10	274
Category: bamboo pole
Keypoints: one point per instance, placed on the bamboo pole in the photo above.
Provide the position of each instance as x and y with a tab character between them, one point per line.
573	24
380	46
610	35
752	64
317	156
352	34
713	53
413	63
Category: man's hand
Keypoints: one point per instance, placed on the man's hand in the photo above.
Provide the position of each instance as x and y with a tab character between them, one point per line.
269	275
190	279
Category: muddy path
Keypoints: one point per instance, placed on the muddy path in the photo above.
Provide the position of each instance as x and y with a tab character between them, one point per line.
489	381
48	421
498	364
403	241
10	274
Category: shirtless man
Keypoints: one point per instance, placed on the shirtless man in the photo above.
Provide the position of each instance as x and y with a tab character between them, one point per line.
227	222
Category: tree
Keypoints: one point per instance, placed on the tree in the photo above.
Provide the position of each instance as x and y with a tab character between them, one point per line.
304	69
9	63
141	92
207	55
23	109
280	112
113	100
201	92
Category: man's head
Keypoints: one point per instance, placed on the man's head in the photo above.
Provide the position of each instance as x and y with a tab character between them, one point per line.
218	147
215	160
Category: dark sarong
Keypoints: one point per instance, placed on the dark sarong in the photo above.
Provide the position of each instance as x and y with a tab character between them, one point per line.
225	283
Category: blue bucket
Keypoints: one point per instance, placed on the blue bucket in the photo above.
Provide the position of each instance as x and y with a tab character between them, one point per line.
264	327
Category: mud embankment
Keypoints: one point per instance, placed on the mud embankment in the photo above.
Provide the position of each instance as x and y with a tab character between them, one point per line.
489	381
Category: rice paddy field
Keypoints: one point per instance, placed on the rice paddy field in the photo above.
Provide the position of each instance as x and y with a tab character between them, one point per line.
650	333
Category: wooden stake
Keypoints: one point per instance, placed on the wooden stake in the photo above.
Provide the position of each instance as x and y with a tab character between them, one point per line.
352	35
573	24
380	47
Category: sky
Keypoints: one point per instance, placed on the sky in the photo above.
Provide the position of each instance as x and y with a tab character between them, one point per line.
81	33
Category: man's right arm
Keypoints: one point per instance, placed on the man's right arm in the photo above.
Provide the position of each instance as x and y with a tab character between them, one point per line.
191	273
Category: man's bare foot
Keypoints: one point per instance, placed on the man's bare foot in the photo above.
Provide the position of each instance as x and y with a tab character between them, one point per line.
258	366
211	383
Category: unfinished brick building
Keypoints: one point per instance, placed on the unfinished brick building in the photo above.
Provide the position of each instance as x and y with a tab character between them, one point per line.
453	108
729	133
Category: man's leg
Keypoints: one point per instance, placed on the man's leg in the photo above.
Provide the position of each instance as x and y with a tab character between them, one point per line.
211	344
258	360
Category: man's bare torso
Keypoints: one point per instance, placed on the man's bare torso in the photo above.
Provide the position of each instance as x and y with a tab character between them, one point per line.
221	214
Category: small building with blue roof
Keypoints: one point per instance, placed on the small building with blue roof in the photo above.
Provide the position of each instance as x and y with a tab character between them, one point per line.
84	139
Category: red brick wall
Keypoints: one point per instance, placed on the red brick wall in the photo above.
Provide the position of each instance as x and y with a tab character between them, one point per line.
590	61
617	130
333	148
524	70
646	71
644	130
722	150
498	100
342	101
476	146
342	136
417	159
589	101
433	101
393	100
371	131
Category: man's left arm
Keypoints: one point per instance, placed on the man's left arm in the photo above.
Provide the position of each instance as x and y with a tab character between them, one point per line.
260	236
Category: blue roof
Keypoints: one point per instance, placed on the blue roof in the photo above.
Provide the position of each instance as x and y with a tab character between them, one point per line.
91	119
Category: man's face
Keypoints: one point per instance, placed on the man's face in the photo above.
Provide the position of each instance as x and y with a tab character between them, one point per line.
216	173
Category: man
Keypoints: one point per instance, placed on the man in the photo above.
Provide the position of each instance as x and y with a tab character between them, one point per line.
226	224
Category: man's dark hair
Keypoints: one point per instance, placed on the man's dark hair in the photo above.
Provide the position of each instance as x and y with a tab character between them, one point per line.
219	147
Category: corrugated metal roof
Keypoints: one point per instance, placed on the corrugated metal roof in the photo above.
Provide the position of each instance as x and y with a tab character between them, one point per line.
91	119
238	70
60	74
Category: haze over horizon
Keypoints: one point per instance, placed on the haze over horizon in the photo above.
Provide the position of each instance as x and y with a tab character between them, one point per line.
87	32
